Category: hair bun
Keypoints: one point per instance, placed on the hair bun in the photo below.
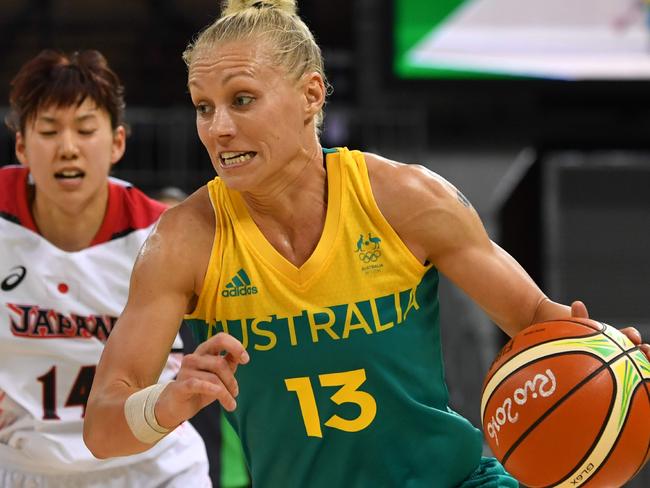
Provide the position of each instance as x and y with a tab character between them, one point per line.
231	7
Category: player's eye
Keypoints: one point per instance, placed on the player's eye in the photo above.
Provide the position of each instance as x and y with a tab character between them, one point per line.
202	108
243	100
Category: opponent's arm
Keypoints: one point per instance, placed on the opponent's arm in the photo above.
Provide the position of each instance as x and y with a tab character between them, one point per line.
166	276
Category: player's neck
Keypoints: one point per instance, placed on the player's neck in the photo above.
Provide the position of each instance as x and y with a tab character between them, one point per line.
293	219
70	228
298	192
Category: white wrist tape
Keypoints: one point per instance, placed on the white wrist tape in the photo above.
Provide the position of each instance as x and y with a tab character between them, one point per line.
139	413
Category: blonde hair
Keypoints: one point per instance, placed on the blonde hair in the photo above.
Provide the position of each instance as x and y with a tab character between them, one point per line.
292	45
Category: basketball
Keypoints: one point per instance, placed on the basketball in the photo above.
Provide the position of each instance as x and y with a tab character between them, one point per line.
567	403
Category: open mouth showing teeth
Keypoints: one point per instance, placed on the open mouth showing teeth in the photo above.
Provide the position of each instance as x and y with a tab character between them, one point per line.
232	158
69	174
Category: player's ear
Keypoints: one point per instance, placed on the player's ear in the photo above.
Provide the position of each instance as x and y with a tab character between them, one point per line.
119	144
20	149
314	93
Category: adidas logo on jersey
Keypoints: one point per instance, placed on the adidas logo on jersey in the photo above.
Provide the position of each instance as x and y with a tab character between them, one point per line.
239	285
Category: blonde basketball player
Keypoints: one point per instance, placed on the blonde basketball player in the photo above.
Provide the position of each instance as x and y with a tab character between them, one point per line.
69	235
312	275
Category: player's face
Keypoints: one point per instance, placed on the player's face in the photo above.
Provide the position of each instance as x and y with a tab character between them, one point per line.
69	152
250	115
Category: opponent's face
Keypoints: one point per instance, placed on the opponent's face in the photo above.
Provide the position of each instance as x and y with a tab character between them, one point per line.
252	117
69	152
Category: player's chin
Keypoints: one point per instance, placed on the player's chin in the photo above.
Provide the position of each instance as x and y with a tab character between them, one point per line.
244	180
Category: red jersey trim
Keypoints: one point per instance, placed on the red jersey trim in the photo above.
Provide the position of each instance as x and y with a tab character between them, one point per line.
128	208
13	196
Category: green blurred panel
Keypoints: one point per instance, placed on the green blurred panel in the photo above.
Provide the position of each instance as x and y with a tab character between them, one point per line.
404	70
414	20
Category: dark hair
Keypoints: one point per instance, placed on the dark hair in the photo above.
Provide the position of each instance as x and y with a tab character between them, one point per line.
54	78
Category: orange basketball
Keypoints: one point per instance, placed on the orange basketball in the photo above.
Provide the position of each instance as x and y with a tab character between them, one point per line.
567	403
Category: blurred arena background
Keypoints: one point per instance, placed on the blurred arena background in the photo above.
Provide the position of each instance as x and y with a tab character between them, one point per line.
540	115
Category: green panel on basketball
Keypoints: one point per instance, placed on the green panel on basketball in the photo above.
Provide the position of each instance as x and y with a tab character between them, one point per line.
567	403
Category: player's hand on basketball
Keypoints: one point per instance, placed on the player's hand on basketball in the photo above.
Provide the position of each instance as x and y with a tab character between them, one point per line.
578	309
634	335
206	375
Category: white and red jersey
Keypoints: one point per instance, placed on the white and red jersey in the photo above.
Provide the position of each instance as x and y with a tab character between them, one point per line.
57	309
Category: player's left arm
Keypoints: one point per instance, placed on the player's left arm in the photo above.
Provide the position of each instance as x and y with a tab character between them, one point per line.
440	226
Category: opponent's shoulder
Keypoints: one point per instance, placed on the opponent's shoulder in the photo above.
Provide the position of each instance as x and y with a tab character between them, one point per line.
128	211
12	171
140	209
12	180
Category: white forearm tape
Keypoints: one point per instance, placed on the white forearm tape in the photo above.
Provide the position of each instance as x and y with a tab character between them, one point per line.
139	413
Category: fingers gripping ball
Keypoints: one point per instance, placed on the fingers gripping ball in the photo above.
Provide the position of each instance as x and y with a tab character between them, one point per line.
567	403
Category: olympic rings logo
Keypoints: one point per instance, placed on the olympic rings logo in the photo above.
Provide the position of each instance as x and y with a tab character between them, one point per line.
370	256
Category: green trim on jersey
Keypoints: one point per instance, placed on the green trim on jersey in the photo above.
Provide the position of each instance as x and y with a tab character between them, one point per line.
234	473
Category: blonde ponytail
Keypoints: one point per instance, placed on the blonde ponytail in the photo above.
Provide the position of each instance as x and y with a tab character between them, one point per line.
230	7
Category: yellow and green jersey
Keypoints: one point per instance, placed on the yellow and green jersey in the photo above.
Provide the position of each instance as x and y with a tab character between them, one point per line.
345	386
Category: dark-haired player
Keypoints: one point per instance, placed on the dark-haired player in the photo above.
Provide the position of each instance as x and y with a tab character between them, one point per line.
69	235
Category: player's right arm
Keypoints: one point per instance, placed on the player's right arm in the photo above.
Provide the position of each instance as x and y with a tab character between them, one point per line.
166	279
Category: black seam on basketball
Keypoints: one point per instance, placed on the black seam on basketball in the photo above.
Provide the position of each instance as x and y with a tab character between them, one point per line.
553	407
487	380
596	439
606	365
609	412
574	321
629	355
553	340
619	346
600	432
523	366
645	384
618	438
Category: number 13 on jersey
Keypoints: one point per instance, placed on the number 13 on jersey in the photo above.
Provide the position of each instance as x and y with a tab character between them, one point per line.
349	381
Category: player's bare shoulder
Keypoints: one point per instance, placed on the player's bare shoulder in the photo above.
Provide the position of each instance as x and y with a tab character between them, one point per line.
426	211
409	187
182	239
186	223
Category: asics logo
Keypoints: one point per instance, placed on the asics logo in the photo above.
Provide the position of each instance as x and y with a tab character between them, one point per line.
14	279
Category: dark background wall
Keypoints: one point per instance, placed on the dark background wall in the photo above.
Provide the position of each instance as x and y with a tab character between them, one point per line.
557	170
